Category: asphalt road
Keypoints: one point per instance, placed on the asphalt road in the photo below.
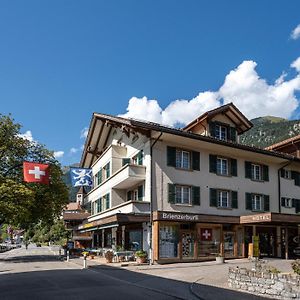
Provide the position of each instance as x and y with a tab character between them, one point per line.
38	274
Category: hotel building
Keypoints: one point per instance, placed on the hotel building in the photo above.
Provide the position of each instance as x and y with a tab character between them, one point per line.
189	194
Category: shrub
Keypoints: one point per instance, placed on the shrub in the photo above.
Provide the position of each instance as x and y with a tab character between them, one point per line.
141	253
296	266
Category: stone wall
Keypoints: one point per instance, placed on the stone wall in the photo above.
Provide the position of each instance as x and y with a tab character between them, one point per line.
275	286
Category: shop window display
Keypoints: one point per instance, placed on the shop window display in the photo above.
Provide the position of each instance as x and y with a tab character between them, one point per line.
208	241
168	241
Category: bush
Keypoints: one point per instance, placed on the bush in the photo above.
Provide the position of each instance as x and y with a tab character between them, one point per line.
141	253
296	266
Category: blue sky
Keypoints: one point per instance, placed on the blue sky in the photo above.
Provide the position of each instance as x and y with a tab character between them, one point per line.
60	61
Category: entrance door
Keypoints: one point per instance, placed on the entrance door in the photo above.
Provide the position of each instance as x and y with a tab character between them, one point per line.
229	239
187	245
267	241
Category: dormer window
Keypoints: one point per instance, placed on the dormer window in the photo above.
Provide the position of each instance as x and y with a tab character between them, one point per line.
221	132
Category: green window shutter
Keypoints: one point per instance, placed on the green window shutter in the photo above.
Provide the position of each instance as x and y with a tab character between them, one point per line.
213	197
196	160
249	201
196	195
212	129
248	172
233	167
232	134
140	158
140	193
296	177
125	161
100	176
129	196
171	156
107	169
212	163
282	172
265	170
172	193
297	205
234	199
266	203
107	197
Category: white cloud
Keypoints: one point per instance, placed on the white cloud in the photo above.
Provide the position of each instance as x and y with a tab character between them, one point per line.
296	33
253	95
144	109
59	154
84	132
73	150
27	136
296	64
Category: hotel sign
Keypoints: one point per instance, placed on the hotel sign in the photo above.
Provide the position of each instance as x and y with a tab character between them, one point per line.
266	217
179	217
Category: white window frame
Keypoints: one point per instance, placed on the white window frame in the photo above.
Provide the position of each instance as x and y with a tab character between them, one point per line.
254	168
287	174
288	202
220	169
183	189
180	159
221	132
255	200
221	198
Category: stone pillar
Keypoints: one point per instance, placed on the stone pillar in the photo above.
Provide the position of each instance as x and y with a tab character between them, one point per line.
286	239
123	236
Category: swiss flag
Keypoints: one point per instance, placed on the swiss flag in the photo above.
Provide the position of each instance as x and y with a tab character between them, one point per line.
35	172
206	234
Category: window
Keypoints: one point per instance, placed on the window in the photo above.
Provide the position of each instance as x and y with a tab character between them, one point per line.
138	159
136	194
106	170
287	174
287	202
222	166
256	172
257	202
221	132
107	201
223	199
168	241
183	194
182	159
188	160
99	205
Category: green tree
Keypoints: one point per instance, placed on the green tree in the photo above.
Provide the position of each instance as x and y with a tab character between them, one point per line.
25	204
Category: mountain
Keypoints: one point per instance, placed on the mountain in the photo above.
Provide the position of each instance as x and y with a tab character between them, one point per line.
270	130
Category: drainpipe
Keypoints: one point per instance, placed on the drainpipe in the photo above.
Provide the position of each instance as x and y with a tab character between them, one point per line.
151	196
279	185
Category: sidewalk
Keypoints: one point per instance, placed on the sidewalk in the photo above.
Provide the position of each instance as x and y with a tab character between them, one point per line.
204	273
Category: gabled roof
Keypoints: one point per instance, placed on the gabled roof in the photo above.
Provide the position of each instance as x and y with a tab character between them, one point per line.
231	112
287	142
73	206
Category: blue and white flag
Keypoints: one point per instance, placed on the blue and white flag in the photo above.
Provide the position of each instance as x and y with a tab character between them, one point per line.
81	177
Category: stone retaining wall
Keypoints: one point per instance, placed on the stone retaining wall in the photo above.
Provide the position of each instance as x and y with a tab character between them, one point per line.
275	286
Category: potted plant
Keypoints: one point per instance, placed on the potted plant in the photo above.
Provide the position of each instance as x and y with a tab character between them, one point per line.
109	254
141	256
220	258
